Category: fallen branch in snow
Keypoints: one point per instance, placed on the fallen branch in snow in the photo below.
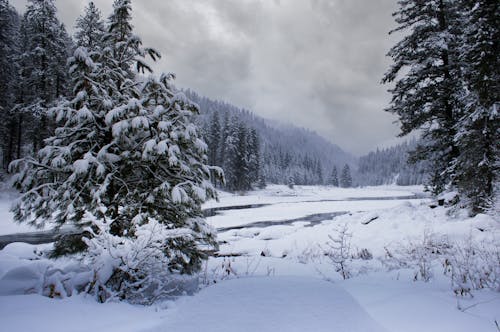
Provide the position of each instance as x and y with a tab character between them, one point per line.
366	222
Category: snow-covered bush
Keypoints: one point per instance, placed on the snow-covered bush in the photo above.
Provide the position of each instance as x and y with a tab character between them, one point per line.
223	270
421	255
472	266
310	254
135	268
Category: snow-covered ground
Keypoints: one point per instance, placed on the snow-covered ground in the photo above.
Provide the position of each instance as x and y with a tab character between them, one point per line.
274	275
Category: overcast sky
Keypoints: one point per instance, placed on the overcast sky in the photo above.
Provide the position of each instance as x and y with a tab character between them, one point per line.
314	63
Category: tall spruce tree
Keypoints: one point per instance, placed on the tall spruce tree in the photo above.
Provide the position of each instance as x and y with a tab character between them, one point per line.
125	160
231	154
254	165
319	173
476	169
334	180
345	177
43	67
425	94
242	168
90	29
213	138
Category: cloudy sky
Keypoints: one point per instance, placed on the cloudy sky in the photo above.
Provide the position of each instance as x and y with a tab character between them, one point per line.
313	63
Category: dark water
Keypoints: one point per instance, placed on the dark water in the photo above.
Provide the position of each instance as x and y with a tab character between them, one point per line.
36	237
213	211
312	220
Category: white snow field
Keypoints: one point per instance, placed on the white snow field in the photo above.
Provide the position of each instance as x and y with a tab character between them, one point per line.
272	273
270	304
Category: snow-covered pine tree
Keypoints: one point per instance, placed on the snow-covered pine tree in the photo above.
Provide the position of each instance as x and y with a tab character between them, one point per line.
242	166
231	154
90	29
225	132
476	171
43	63
319	172
161	173
127	162
213	139
254	168
334	180
345	177
425	96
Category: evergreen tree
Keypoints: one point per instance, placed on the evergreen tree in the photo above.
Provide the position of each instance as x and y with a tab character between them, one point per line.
345	177
425	97
478	130
242	169
90	29
231	161
334	181
319	172
9	53
43	66
254	168
126	161
225	132
213	138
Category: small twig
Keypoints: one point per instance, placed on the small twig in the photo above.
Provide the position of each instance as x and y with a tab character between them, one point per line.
476	304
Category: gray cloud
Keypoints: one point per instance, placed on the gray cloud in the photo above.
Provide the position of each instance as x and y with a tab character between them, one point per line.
314	63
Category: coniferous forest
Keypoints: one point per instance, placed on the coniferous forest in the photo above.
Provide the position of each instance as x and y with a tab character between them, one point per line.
123	170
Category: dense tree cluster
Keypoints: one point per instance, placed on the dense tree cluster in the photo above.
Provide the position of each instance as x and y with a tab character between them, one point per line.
123	162
34	74
446	72
236	148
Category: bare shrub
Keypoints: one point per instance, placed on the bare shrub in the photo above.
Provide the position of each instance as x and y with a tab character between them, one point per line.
418	255
339	250
473	266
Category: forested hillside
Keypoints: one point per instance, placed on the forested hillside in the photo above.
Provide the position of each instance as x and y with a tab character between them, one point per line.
273	152
391	165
